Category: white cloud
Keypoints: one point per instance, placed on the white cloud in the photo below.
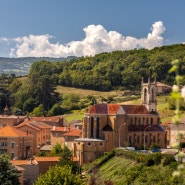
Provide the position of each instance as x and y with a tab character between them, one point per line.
97	39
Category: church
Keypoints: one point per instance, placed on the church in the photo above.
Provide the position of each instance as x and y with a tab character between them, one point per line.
109	126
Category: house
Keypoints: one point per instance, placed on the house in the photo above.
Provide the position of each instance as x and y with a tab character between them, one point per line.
16	143
29	171
45	163
10	120
163	88
64	136
40	131
51	120
109	126
57	134
176	130
71	136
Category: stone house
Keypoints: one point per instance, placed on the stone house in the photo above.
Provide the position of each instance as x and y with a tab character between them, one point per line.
16	143
29	171
41	132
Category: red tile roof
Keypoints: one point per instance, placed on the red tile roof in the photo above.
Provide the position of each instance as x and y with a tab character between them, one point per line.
104	109
51	119
22	162
39	159
62	129
35	125
135	109
113	108
74	133
141	128
9	131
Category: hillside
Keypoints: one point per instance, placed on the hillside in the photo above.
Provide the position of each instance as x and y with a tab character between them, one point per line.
122	170
21	66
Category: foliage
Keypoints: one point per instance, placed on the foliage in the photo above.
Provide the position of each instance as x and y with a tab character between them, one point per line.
38	111
122	170
70	102
167	159
8	174
56	150
59	175
56	110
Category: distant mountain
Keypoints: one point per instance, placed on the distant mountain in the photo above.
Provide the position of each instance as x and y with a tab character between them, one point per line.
21	66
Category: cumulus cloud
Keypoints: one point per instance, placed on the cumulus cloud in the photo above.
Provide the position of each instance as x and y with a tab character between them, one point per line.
97	39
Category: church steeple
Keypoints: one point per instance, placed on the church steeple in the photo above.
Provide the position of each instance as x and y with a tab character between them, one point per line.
148	95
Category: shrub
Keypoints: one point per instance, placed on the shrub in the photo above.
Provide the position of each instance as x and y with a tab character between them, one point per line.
167	159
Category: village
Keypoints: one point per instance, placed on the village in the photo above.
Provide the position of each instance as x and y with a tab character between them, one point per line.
103	128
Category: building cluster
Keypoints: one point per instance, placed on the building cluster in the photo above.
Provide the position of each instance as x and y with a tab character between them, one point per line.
104	127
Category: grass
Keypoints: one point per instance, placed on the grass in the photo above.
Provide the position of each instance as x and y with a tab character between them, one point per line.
76	115
85	92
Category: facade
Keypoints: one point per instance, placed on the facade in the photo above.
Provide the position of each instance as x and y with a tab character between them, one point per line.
163	88
64	136
29	171
175	131
41	132
109	126
16	143
12	120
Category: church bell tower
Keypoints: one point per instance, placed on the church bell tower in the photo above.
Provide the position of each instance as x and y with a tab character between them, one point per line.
148	95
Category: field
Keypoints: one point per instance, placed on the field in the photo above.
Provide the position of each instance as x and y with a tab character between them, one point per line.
162	101
85	92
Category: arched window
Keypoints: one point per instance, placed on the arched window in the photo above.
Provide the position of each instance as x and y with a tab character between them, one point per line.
147	121
131	121
154	139
97	127
145	95
139	121
138	139
153	97
135	120
91	127
151	121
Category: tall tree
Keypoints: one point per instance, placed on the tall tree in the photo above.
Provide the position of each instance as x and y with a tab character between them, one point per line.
59	175
8	174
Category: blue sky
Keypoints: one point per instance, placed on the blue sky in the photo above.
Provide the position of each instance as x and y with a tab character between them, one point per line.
61	28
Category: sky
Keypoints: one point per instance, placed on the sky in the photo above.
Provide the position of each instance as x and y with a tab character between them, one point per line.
61	28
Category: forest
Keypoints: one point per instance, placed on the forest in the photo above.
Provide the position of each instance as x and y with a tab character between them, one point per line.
36	93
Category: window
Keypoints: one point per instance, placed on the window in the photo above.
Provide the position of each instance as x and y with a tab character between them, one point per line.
12	144
98	127
153	99
89	144
139	121
145	95
151	121
92	127
138	139
12	155
154	139
2	144
131	121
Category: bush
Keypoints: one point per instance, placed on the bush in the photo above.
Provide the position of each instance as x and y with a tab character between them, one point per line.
167	159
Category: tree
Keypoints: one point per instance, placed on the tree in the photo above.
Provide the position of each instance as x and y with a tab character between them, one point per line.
8	174
56	150
56	110
38	111
66	159
59	175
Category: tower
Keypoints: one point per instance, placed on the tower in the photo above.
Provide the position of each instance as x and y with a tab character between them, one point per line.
148	94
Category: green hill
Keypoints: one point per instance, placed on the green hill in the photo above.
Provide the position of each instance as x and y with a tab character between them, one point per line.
127	170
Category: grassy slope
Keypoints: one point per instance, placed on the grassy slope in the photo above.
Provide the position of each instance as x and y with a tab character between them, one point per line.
162	105
115	168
